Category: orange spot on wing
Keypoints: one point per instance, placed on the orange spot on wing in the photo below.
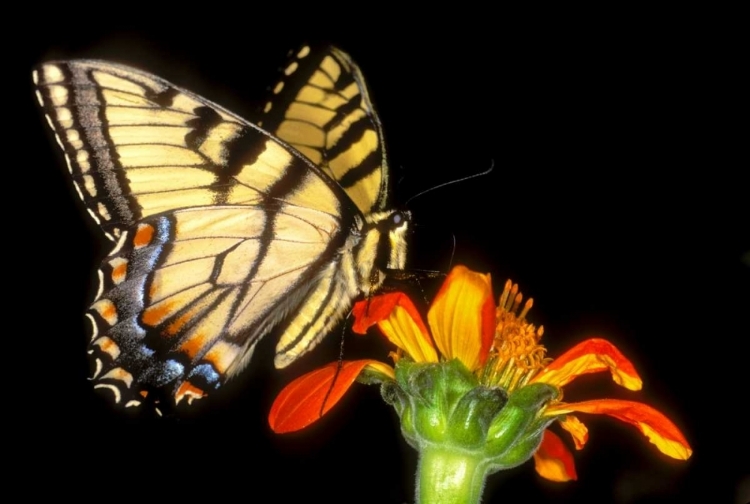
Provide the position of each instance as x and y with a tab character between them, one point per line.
143	236
214	357
187	389
194	345
107	345
119	374
153	289
119	272
107	310
154	315
179	323
221	356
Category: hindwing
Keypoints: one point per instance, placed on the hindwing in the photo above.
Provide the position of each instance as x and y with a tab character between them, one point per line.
222	229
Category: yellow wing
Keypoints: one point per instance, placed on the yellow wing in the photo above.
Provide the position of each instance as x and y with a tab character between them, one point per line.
321	106
222	230
137	146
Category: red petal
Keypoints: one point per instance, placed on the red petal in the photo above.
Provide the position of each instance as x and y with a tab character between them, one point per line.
400	322
299	404
369	312
654	425
591	356
576	429
553	460
489	324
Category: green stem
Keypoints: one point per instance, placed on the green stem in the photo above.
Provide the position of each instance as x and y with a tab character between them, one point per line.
447	475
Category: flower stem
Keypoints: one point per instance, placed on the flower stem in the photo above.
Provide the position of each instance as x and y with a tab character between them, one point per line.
447	475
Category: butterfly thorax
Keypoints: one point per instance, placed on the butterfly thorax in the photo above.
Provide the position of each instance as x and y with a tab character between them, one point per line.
375	245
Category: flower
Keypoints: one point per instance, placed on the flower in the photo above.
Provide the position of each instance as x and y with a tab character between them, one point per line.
497	391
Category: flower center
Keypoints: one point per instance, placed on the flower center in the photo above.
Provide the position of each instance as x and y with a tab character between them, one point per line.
516	355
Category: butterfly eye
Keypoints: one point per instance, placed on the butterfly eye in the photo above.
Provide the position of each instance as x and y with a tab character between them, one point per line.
398	219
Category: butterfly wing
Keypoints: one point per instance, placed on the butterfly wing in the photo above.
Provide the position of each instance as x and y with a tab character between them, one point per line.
221	229
322	107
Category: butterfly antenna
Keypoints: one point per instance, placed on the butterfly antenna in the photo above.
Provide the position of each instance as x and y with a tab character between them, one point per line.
453	252
338	366
464	179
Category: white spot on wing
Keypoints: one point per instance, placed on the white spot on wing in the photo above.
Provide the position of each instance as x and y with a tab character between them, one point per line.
88	183
100	289
52	74
58	95
74	138
59	142
303	52
114	390
119	373
70	169
120	243
94	328
103	211
64	117
98	369
291	68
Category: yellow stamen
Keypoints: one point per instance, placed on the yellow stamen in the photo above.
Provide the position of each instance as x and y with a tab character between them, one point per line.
526	308
516	355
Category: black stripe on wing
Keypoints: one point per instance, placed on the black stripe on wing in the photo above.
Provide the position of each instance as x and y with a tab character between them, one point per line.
321	107
138	146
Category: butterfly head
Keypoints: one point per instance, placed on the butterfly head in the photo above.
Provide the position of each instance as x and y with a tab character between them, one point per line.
397	228
382	247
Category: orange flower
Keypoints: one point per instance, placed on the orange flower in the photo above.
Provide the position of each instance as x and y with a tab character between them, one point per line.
500	348
461	318
517	359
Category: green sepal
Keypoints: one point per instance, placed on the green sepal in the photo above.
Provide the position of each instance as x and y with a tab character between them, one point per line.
434	391
443	405
525	447
473	414
516	420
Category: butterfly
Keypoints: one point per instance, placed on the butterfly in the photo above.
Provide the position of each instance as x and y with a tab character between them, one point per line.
222	229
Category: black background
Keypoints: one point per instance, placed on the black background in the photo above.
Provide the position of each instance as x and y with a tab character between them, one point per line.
613	203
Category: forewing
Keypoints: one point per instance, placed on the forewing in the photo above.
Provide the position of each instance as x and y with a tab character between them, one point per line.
138	146
321	107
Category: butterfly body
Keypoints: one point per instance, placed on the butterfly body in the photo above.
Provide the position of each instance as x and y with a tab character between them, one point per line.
222	230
